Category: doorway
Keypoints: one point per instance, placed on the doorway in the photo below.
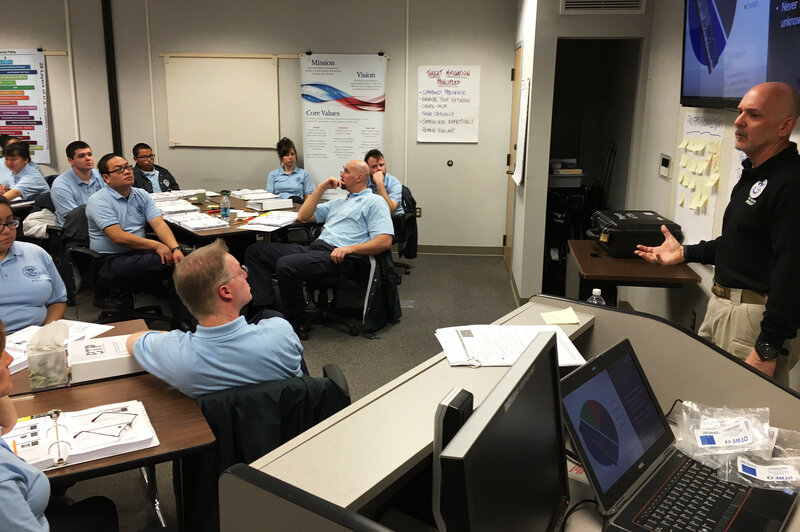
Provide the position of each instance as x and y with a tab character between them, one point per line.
594	94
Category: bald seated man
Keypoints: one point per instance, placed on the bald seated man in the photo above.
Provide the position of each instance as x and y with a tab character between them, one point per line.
754	312
360	223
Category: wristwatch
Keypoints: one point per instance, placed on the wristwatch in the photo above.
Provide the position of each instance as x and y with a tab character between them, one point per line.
176	248
767	351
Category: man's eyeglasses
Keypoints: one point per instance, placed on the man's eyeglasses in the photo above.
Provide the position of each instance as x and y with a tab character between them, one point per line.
242	272
151	156
13	224
114	430
122	169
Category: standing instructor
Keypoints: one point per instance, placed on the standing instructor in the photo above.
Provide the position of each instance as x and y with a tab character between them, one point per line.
754	310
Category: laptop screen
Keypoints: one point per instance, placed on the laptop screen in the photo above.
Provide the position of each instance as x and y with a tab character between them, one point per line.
611	411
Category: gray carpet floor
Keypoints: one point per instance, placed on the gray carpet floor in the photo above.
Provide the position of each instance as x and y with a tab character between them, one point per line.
441	291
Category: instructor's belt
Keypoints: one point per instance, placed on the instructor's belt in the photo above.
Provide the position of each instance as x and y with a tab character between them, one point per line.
748	296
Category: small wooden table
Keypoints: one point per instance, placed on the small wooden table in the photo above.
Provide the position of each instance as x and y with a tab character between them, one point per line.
590	266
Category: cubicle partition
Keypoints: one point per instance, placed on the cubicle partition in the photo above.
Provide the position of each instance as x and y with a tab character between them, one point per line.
353	459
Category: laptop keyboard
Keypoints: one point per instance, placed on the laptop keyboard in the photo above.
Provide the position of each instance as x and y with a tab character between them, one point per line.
693	499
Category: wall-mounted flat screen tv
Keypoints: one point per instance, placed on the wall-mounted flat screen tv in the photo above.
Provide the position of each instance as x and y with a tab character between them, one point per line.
731	45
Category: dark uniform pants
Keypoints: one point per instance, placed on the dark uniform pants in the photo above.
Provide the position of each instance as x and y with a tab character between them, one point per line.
292	264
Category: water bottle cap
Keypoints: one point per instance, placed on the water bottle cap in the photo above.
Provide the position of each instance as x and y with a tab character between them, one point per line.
596	291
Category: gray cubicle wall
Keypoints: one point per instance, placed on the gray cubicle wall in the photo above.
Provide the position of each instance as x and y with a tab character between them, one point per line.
681	365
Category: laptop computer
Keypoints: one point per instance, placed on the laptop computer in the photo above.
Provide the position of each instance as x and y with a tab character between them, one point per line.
642	482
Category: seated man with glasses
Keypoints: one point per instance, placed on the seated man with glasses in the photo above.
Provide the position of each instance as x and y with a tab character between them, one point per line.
117	217
33	292
149	176
226	351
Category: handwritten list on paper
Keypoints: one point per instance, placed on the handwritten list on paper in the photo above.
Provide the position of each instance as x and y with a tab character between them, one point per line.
448	103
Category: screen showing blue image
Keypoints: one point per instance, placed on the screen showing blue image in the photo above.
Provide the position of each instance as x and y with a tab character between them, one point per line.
615	419
731	45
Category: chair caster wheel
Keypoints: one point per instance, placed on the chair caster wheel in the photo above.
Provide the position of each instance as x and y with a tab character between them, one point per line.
302	334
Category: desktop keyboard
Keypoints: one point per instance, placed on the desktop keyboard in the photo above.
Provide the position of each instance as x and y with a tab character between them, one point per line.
693	499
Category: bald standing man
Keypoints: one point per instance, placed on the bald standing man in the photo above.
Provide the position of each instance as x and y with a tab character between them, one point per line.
754	310
360	223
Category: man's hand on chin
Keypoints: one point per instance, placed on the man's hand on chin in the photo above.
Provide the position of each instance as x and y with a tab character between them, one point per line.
768	367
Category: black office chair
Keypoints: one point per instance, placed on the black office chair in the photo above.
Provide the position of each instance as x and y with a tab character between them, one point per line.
405	230
362	295
248	422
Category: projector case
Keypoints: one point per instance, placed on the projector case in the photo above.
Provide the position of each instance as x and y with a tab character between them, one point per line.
620	231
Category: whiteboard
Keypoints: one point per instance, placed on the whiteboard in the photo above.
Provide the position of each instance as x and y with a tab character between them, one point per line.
222	101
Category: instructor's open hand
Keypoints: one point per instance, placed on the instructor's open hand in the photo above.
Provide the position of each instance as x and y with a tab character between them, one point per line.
670	252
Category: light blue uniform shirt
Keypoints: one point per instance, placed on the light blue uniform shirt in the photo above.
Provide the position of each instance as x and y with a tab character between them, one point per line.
70	191
24	494
5	174
218	358
153	177
107	207
394	188
354	220
297	183
29	282
29	182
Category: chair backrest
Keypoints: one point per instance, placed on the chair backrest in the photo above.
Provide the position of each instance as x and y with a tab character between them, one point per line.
407	247
250	421
50	178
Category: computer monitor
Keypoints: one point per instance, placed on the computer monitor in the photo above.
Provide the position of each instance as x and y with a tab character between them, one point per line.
505	469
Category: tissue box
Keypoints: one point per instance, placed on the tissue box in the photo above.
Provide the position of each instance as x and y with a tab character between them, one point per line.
101	358
48	368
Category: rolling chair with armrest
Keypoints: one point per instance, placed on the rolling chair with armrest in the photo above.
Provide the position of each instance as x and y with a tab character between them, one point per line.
365	282
405	230
249	422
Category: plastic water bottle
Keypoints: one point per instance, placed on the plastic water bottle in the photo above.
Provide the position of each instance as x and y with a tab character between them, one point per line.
596	298
225	207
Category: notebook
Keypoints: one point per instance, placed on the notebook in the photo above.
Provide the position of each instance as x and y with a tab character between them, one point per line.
627	449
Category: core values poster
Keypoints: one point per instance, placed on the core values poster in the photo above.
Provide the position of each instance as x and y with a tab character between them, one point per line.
23	100
344	100
448	103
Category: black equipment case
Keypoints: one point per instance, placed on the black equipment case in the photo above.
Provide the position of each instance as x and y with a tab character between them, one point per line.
620	231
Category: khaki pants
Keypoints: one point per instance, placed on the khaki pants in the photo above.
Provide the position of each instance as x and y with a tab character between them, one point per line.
734	326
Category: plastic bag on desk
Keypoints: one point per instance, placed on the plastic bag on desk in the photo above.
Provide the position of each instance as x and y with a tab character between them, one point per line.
772	473
711	435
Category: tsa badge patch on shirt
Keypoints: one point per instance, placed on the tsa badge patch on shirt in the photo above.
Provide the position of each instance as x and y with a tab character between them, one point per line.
755	191
31	272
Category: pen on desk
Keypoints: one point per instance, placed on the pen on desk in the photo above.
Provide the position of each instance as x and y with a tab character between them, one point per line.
213	211
14	444
28	418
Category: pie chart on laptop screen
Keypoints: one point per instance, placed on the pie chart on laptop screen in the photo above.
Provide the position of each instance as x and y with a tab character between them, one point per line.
599	433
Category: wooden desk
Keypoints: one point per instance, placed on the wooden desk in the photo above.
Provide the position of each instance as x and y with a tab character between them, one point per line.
590	266
176	418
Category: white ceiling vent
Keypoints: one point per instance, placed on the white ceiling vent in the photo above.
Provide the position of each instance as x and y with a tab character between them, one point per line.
602	7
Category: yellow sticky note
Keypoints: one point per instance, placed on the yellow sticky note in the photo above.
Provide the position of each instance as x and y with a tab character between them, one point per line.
692	182
566	316
693	202
712	179
701	145
704	195
684	160
681	197
683	144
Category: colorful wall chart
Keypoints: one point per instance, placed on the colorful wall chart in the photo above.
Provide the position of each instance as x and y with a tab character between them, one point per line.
344	98
23	100
448	103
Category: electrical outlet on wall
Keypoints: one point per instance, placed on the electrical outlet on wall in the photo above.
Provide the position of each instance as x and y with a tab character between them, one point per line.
665	166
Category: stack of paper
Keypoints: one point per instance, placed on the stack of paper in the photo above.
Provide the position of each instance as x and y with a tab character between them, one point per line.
164	196
17	343
66	438
500	345
253	194
195	192
269	204
100	358
271	221
196	221
177	206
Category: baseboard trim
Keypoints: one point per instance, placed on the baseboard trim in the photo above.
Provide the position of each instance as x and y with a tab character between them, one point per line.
460	250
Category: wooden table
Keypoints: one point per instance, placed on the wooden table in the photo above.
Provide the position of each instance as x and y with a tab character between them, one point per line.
590	266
